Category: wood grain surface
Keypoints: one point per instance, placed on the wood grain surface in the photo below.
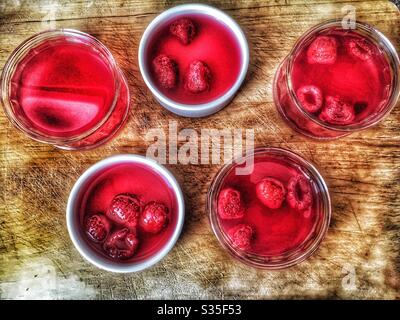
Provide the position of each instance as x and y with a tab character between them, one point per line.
37	258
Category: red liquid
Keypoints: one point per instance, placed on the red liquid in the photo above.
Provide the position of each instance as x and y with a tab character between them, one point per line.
213	44
63	88
277	231
364	84
136	179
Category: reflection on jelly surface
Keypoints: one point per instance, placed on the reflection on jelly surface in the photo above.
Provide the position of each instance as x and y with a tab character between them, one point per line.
62	88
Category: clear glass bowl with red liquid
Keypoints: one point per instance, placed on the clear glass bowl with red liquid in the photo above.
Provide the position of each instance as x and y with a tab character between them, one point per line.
125	213
274	217
63	87
337	81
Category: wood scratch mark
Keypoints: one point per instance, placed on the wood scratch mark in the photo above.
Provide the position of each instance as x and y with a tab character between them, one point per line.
355	216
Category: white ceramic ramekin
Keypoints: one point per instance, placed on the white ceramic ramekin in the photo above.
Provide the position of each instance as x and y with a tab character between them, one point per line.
75	228
197	110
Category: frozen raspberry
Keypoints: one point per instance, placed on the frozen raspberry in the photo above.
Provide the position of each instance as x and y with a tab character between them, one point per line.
360	49
337	111
154	217
271	192
322	50
166	71
124	210
310	98
198	77
121	244
183	29
241	236
230	205
299	194
97	227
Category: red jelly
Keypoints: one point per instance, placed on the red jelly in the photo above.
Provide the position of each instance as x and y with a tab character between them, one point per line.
140	209
336	81
189	40
66	90
287	209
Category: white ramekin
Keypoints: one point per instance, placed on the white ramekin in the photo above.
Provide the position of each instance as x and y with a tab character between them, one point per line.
75	228
195	110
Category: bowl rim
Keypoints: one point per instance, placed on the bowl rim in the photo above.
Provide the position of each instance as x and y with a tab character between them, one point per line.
89	254
214	105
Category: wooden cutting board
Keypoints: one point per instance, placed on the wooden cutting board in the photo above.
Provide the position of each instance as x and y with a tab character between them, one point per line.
37	258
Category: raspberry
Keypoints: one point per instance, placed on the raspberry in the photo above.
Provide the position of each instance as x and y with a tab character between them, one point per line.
337	111
121	244
124	210
97	227
183	29
198	77
310	98
154	217
322	50
166	71
299	193
241	236
271	192
360	49
230	205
